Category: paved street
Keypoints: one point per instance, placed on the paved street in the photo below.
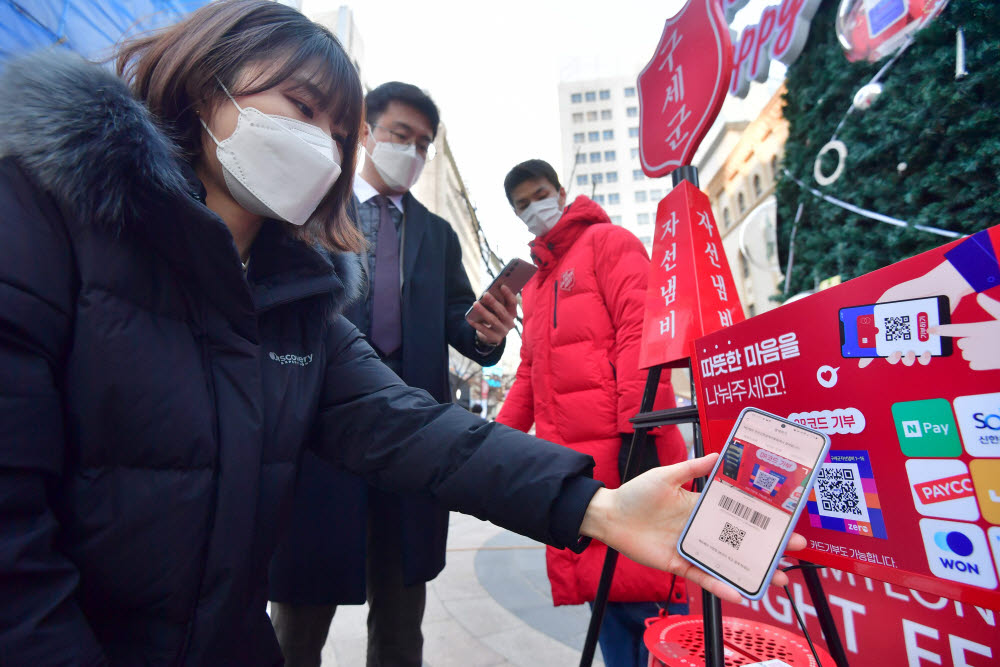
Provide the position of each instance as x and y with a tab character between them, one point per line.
490	606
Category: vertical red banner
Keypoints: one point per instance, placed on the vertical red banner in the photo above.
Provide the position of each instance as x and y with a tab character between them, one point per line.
691	291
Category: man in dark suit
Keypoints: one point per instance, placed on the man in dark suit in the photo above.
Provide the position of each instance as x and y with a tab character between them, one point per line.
349	541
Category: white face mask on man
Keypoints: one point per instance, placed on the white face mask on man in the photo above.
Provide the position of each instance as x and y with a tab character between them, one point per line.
541	216
275	166
399	165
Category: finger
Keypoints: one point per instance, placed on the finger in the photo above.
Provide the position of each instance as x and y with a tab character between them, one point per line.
991	306
796	542
959	330
685	471
864	362
485	314
925	358
894	357
717	588
779	578
501	309
510	299
909	358
487	334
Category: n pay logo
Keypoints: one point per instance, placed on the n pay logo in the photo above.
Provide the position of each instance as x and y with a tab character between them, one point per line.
958	552
926	428
942	488
979	420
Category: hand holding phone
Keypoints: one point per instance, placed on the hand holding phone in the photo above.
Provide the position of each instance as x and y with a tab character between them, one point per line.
745	515
494	313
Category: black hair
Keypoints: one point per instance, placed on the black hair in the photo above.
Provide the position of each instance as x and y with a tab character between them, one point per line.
527	171
377	101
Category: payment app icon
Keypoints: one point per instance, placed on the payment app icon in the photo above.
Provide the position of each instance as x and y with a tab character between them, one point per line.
926	428
942	488
958	552
979	420
986	480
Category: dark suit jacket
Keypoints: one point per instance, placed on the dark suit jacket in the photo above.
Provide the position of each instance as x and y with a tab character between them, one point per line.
322	559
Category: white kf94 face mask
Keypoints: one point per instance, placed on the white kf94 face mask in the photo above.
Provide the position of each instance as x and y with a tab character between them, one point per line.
541	216
399	165
276	166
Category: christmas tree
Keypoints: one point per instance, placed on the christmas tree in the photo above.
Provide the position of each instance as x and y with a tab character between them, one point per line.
927	150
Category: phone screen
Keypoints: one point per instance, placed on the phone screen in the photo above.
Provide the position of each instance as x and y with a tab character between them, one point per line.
753	499
881	329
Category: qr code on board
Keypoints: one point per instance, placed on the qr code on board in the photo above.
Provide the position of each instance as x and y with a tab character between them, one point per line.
838	492
732	535
897	328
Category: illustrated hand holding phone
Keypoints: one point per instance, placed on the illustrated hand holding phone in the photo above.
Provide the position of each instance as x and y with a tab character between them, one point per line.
895	330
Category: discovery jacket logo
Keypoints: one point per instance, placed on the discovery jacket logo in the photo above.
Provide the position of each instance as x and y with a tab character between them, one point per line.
291	359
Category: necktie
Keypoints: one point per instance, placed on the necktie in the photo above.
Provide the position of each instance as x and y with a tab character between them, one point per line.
386	330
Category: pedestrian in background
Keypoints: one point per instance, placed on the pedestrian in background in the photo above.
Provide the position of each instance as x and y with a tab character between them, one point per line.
349	541
579	383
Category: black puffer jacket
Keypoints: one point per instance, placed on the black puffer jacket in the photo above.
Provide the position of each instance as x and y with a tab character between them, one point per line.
154	402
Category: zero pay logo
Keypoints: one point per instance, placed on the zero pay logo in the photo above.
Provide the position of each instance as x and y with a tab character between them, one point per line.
942	488
926	428
958	552
979	419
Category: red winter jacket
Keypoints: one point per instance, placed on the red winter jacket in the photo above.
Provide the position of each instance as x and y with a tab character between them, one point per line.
579	381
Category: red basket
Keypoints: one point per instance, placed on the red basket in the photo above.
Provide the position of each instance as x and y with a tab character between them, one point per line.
679	641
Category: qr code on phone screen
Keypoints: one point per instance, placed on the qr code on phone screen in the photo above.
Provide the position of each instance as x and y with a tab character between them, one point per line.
765	481
732	535
838	492
897	328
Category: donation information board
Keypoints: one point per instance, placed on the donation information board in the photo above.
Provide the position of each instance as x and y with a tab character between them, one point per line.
901	368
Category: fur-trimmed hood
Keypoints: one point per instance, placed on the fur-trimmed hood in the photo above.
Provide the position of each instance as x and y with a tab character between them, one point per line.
76	129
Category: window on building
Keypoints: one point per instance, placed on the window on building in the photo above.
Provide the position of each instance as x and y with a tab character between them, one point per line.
614	198
581	158
640	196
605	94
576	98
633	132
599	199
593	136
581	179
616	219
609	156
578	117
591	115
632	112
630	92
606	114
612	176
656	195
741	202
757	190
744	267
595	156
597	178
726	219
637	175
578	137
633	153
590	96
643	218
751	310
646	240
609	135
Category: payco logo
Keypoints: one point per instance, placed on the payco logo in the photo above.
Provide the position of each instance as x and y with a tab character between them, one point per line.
942	488
926	428
958	552
979	419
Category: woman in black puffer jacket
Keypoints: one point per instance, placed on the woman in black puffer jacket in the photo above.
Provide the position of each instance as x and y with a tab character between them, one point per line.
170	342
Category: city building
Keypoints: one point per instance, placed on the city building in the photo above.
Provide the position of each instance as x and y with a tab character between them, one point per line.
341	23
738	165
599	124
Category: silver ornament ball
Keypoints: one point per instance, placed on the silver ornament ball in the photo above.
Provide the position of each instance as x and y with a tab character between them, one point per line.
866	96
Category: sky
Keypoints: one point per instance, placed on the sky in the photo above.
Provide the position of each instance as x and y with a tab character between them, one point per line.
494	69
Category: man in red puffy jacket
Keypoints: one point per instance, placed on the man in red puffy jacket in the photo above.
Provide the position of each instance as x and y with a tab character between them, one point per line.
579	382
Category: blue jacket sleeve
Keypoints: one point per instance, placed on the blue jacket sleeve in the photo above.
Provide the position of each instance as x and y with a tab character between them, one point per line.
401	439
40	620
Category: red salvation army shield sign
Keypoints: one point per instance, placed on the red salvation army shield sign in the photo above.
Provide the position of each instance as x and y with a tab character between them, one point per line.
683	86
